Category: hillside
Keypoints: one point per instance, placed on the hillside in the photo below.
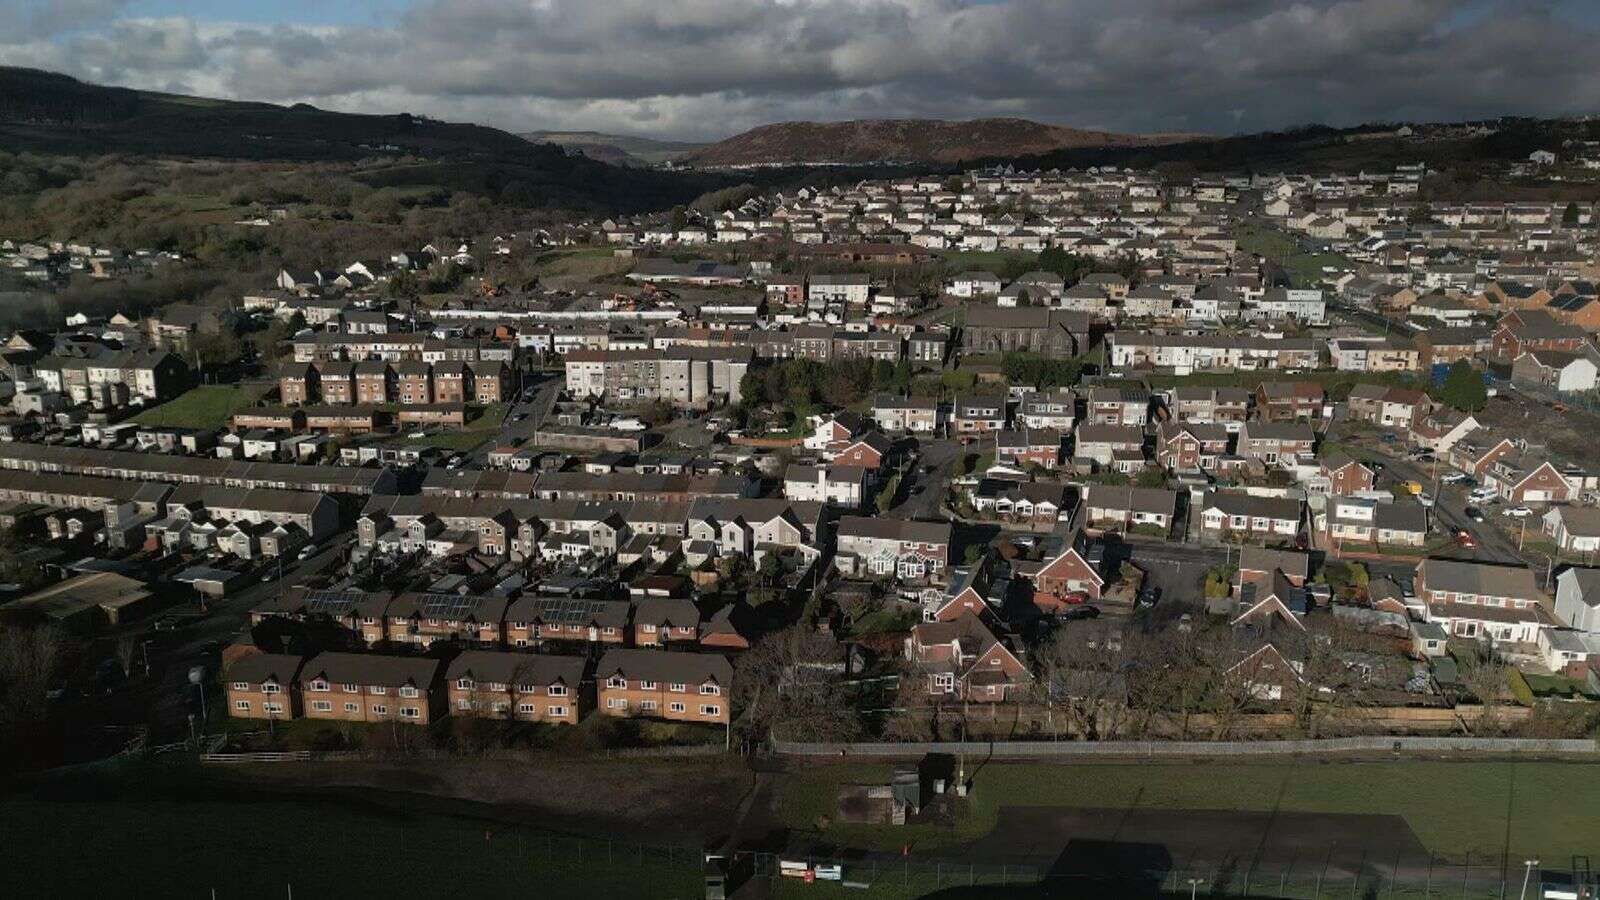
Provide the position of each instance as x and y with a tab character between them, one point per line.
52	113
617	149
927	141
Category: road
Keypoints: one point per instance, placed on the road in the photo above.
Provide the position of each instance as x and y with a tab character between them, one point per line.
944	456
546	386
1449	511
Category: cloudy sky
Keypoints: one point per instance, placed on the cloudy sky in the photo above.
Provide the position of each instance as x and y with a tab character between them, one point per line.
699	69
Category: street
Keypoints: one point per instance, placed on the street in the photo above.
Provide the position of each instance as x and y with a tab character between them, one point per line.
923	494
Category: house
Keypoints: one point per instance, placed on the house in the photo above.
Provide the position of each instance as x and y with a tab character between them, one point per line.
679	687
664	621
1025	447
1103	443
532	619
262	686
1064	576
974	284
837	431
368	687
1393	407
1578	599
1190	446
1560	371
1056	333
979	415
1524	330
1288	401
1228	407
1056	409
1519	477
869	452
1130	509
1236	515
915	415
964	660
1346	476
423	618
1277	441
1038	502
1401	523
1267	673
1118	406
908	550
518	687
1483	600
1575	529
836	485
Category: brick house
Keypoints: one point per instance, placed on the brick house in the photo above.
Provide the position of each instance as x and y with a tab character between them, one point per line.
531	620
261	686
522	687
1483	601
1346	476
663	621
1288	401
298	384
1029	446
337	382
1245	516
363	687
908	550
1062	574
680	687
964	660
376	382
1122	508
414	378
1192	446
1277	441
423	618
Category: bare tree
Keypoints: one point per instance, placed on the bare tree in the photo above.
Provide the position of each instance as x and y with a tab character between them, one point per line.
1485	677
1083	675
792	682
29	658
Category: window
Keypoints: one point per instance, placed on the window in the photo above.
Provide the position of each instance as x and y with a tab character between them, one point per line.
272	707
558	690
526	709
710	709
321	706
271	689
616	703
410	712
319	685
710	690
677	687
380	710
647	685
350	687
464	683
675	706
379	690
352	707
463	703
648	629
242	704
647	705
241	685
556	710
616	681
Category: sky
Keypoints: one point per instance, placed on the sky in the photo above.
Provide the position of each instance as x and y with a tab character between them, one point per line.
706	69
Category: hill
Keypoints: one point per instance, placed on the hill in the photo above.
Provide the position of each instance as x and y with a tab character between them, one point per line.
53	113
617	149
926	141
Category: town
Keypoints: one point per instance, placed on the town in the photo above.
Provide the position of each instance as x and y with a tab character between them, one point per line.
1064	455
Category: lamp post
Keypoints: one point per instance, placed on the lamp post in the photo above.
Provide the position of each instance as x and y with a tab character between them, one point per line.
1527	872
1194	887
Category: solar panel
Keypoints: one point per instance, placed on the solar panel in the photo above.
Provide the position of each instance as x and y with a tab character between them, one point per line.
333	603
447	606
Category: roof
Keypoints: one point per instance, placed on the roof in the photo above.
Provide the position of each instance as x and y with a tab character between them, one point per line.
895	530
371	668
516	668
659	665
1464	577
1236	503
256	668
1133	499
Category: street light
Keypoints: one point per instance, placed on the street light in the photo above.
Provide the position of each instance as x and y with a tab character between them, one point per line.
1527	872
1194	886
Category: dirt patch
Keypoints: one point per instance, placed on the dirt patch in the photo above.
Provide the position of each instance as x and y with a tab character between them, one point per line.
1569	434
637	798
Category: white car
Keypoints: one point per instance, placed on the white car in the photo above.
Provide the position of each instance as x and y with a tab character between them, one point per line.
307	552
1426	500
1517	512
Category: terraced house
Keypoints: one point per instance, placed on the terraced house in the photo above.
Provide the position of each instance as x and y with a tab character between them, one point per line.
423	618
363	687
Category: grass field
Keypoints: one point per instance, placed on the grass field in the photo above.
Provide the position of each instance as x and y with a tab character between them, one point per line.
485	426
207	406
1454	807
1305	269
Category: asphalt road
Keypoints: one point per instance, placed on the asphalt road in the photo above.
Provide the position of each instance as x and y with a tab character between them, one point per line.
1449	511
944	456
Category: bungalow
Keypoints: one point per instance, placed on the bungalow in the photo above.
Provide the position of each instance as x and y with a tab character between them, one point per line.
1036	502
1064	572
1236	515
1130	509
1575	529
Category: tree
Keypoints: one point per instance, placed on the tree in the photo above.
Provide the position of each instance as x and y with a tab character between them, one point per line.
1463	388
953	184
786	683
1569	216
29	659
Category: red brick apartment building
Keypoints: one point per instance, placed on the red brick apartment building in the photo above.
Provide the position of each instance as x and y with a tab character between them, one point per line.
516	686
679	687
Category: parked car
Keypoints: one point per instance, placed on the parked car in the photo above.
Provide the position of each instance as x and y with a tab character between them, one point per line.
307	552
1464	539
1474	513
1516	512
1080	612
1425	499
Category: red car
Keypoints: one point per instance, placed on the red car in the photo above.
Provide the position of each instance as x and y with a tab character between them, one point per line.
1464	538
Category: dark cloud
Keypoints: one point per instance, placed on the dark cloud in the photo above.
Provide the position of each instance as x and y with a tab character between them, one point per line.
707	68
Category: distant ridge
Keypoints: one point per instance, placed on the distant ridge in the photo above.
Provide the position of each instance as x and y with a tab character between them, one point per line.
617	149
928	141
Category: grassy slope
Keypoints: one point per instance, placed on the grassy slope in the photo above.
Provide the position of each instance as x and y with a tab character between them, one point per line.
1453	807
207	406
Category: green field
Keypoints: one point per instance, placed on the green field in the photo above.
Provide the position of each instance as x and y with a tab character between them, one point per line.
208	406
1305	269
484	426
1455	808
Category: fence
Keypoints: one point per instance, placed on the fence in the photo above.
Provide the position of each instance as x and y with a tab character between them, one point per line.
1107	871
1068	749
